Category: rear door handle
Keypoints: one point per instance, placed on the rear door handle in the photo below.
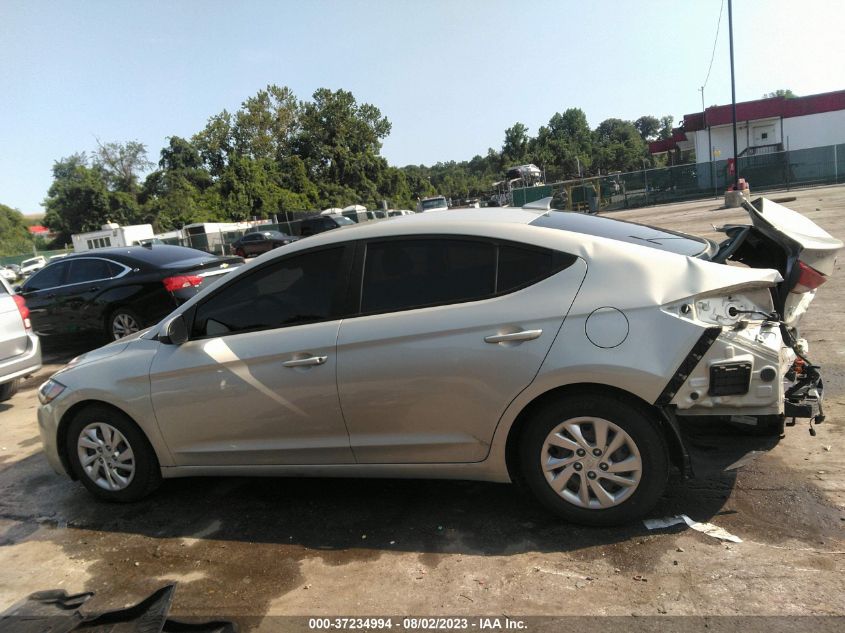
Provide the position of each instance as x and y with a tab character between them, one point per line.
524	335
305	362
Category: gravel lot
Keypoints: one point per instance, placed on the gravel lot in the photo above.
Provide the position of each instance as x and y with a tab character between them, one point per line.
246	548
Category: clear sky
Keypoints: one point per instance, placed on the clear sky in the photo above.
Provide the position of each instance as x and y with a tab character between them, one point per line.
449	75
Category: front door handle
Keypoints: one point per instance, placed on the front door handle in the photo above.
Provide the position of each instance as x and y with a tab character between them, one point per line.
305	362
524	335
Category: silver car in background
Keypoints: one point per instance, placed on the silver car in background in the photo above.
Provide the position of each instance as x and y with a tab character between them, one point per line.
558	349
20	349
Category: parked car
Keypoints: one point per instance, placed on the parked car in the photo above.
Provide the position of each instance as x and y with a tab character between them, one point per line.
259	242
54	258
118	291
31	265
8	273
560	349
20	351
432	203
321	223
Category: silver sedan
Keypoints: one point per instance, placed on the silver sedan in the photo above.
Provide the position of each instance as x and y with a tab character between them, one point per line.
557	349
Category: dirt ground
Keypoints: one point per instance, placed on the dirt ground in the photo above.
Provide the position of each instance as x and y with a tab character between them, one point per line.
249	548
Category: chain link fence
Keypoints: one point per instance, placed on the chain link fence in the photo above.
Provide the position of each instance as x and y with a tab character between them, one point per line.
777	170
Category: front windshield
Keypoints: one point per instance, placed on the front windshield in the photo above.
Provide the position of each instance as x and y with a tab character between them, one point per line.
29	262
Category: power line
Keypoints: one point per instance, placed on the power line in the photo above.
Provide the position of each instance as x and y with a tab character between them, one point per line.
715	41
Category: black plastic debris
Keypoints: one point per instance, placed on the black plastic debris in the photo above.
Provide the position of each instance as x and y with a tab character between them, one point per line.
57	612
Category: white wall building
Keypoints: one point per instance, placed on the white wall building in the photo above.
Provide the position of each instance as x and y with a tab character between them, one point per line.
111	235
776	124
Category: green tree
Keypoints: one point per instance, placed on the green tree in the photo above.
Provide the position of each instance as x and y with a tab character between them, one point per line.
781	92
648	127
565	145
122	164
266	125
340	142
14	236
618	146
666	129
515	147
78	199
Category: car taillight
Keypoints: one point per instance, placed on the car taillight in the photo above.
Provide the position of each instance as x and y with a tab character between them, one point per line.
172	284
19	301
808	279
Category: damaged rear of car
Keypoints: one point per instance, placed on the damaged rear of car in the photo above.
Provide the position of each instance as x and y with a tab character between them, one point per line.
669	337
752	365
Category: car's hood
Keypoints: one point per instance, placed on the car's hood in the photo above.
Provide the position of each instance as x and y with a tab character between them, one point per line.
110	349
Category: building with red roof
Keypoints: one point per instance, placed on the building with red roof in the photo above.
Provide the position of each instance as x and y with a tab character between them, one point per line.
763	125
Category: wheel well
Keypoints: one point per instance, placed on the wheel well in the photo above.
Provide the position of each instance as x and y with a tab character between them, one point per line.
70	414
676	450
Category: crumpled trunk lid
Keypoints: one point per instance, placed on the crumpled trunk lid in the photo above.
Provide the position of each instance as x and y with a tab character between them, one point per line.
787	241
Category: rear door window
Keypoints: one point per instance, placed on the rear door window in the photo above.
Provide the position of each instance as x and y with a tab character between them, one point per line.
414	273
83	270
404	274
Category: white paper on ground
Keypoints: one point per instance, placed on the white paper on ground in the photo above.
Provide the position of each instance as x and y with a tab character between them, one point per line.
705	528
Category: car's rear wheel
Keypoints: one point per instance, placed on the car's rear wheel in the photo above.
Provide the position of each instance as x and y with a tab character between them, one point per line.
110	455
594	459
123	322
9	389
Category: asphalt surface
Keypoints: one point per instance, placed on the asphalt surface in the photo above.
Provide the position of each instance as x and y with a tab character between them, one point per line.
257	549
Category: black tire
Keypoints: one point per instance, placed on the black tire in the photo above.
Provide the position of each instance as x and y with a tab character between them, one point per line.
642	429
9	389
147	473
121	315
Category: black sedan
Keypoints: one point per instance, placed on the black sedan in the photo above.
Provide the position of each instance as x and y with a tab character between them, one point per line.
260	242
118	291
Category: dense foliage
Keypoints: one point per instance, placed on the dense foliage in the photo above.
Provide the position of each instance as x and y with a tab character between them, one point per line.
278	155
14	236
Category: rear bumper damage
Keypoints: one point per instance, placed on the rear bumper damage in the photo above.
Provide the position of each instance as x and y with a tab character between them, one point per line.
734	393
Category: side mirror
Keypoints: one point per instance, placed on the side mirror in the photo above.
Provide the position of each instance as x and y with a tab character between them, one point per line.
17	289
175	331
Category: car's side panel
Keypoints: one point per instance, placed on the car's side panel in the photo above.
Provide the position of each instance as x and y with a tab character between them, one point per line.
424	385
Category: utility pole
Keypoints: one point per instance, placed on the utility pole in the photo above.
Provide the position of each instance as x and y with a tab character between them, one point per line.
733	91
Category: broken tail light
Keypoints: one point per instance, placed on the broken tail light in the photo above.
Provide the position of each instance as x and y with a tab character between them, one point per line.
808	279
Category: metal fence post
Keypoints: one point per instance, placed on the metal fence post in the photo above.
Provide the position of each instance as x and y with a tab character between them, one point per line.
788	169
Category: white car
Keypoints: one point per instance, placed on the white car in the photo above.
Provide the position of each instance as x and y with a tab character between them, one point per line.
563	350
20	349
7	273
33	264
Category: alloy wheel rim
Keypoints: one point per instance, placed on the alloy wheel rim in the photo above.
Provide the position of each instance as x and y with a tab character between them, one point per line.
124	325
106	456
591	463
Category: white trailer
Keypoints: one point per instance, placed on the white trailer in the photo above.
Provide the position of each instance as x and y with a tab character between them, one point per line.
112	235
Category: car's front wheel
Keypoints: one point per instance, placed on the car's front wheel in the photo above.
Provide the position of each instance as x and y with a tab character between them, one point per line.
110	455
594	459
